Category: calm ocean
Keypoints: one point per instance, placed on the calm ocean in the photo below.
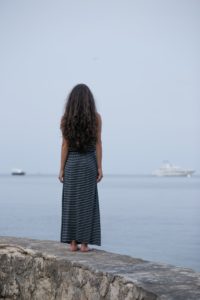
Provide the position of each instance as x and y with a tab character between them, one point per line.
151	218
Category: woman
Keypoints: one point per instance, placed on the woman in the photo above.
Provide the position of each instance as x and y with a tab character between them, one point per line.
81	170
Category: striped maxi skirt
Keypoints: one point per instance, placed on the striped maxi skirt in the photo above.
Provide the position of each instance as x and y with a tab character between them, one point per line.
80	202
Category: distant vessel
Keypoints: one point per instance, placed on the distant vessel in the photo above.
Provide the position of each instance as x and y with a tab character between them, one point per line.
17	172
168	169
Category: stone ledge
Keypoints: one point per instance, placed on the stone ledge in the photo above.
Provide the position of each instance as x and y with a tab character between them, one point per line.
36	269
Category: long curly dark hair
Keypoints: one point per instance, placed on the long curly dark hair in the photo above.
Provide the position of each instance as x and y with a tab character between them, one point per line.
79	121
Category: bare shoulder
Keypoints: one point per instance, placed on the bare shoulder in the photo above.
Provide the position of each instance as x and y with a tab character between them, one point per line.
61	120
99	119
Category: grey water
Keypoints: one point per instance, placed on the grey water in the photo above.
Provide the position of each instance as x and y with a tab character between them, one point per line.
155	219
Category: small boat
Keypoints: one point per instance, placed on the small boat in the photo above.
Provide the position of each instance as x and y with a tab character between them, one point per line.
168	169
17	172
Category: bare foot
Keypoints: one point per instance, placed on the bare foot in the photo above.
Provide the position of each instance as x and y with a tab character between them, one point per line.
84	247
74	246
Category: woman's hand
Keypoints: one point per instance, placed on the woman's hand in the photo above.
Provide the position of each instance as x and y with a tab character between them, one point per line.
100	174
61	176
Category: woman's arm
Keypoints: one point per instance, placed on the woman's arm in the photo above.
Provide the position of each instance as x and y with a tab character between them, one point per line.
99	149
64	153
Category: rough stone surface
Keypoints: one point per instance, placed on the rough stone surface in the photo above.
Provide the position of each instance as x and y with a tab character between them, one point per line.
47	270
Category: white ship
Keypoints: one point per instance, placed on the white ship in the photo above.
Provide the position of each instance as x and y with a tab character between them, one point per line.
17	172
168	169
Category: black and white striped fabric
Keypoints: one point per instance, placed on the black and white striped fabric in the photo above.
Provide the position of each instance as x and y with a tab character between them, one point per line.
80	202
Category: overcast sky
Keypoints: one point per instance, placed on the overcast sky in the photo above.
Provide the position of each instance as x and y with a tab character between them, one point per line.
141	61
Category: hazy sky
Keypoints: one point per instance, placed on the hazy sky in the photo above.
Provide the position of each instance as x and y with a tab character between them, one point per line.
141	61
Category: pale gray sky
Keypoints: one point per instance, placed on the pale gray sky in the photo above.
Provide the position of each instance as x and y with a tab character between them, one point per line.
141	61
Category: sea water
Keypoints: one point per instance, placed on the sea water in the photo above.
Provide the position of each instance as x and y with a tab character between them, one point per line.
155	219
